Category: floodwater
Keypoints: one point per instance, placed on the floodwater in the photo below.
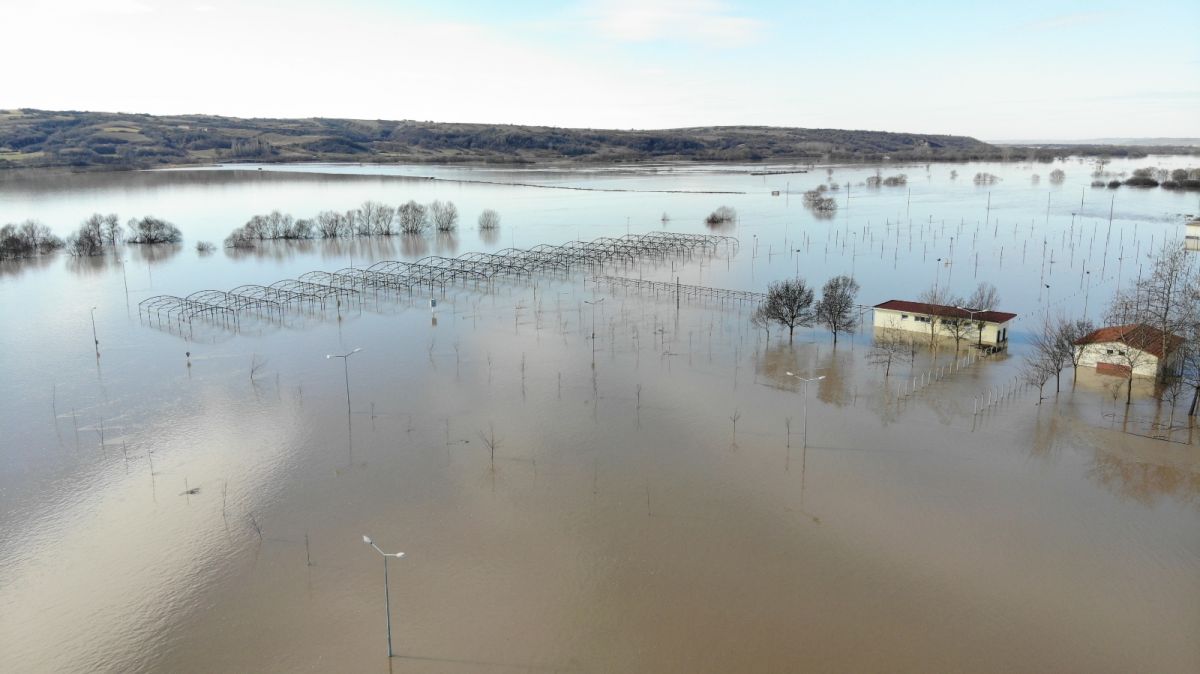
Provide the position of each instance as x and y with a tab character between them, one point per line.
650	500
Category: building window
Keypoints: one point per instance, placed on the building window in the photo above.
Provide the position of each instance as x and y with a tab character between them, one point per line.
904	317
1110	352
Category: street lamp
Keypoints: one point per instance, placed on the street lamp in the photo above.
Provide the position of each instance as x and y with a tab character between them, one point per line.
94	337
346	368
972	313
805	380
387	605
593	304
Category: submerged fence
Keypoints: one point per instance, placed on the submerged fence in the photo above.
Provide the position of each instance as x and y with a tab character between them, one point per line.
312	290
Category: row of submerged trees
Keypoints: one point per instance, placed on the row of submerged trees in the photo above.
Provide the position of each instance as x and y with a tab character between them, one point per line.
372	218
95	234
792	303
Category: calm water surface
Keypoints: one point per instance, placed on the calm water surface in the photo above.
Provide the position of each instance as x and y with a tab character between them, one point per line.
628	522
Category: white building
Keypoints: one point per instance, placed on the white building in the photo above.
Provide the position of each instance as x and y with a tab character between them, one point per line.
1137	347
924	318
1191	235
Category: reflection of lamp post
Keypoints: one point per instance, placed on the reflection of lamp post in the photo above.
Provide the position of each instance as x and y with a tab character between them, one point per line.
346	368
387	604
805	432
94	337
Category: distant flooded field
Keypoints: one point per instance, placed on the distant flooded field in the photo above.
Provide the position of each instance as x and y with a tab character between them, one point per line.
586	476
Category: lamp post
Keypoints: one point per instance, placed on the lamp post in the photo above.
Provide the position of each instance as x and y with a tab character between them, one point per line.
972	313
593	304
95	339
805	380
387	604
346	368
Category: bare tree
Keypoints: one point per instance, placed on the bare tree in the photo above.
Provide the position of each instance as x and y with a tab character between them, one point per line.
414	218
489	219
1053	349
890	347
984	298
444	215
836	308
1057	176
789	303
941	303
153	230
1070	333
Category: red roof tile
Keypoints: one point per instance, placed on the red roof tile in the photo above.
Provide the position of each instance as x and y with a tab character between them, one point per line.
947	311
1138	335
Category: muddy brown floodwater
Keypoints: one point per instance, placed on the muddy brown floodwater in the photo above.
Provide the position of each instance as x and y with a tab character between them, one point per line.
647	500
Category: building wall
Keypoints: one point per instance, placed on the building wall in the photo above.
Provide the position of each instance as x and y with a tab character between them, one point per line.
1098	354
1192	237
890	319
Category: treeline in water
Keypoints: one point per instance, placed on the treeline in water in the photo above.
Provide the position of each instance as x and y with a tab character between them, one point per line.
97	233
372	218
1148	176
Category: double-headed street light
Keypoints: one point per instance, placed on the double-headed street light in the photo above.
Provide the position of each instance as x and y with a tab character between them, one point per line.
346	368
387	605
805	380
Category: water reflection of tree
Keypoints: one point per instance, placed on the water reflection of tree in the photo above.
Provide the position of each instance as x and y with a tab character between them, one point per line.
838	369
20	266
1144	481
152	253
490	236
414	245
446	243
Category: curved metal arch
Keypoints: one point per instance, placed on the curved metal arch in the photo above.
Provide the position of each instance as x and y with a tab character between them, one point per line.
283	297
318	289
502	263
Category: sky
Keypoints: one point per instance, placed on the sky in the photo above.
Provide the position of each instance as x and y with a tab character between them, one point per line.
1011	70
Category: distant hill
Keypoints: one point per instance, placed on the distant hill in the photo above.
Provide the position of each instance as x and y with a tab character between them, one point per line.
100	140
1125	142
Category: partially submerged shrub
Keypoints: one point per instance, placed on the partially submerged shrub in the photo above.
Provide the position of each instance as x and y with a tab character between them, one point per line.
28	239
984	178
721	216
205	247
153	230
444	215
490	219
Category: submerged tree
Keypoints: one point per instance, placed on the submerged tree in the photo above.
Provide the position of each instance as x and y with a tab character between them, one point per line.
489	219
985	298
414	218
890	347
836	308
789	303
721	216
444	215
153	230
28	239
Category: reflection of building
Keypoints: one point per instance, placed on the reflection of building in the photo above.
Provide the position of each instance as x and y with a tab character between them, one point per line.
1121	349
936	318
1191	235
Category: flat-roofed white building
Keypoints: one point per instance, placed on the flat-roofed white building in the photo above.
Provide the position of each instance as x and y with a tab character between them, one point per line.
1191	235
926	318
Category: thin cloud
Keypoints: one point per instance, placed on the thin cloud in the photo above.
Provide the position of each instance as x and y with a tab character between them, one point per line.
707	22
1063	21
